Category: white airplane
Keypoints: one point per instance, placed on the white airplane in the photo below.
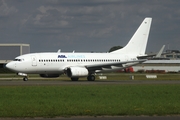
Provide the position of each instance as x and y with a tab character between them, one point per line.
76	65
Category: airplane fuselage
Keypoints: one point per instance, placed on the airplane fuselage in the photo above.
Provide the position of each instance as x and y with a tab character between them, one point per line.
55	63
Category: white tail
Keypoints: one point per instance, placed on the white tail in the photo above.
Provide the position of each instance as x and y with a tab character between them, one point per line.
138	42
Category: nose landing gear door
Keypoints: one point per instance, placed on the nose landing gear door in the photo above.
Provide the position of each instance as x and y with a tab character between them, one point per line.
34	61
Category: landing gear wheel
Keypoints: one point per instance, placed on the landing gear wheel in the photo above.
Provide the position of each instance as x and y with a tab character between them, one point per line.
75	79
91	78
25	79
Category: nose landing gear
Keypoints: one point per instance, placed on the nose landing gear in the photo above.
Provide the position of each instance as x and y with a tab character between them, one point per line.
25	78
24	75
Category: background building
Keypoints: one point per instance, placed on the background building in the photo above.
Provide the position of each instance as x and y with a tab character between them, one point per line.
158	66
9	51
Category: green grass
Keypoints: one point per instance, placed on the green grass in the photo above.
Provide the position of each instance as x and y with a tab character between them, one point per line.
89	100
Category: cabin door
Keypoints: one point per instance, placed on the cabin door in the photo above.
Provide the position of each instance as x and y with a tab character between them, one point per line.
34	60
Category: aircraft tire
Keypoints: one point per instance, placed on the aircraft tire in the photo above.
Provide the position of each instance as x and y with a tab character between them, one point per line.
25	79
91	78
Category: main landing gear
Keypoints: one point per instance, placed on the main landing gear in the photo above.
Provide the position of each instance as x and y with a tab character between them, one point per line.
91	78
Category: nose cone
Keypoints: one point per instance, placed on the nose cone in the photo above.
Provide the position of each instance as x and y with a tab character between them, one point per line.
9	66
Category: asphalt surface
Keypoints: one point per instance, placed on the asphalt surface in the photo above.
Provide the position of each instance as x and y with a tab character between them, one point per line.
97	82
9	82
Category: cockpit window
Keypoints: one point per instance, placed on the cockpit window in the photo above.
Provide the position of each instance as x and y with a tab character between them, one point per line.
18	59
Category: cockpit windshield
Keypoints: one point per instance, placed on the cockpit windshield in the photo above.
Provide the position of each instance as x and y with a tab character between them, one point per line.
18	59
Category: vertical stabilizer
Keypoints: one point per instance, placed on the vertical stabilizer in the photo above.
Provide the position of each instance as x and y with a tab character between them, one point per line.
138	42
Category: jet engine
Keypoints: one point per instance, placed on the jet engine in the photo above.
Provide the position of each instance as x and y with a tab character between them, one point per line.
77	72
49	75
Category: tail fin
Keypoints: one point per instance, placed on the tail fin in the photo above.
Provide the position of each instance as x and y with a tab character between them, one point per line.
138	42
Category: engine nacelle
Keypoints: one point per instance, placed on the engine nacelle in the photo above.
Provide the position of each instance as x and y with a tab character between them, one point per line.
49	75
77	72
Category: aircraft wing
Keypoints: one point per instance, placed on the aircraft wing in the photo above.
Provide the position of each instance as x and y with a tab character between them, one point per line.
116	64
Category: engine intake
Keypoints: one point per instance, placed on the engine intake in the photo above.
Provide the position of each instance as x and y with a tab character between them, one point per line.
77	72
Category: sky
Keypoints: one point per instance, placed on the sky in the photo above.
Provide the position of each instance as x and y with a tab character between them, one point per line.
88	25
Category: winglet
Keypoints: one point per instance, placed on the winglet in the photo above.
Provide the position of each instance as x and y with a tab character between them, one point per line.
59	51
160	52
